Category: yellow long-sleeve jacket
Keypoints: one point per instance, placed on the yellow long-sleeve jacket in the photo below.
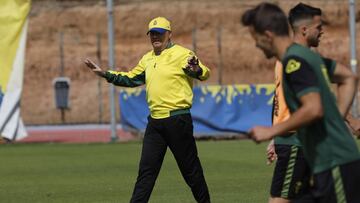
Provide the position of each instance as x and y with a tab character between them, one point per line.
168	87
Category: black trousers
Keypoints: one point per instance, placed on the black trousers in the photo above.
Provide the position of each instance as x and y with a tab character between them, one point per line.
175	132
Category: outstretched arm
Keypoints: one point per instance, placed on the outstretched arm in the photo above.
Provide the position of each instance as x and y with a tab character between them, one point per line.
133	78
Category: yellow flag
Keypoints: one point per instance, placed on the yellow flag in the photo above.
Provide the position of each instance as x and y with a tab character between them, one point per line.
13	28
13	15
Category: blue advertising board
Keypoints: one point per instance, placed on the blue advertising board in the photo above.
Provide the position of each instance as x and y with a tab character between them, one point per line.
216	109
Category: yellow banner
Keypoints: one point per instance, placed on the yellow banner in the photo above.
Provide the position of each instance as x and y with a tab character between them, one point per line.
13	15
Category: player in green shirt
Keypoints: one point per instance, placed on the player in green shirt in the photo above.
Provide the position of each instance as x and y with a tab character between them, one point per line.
329	148
291	173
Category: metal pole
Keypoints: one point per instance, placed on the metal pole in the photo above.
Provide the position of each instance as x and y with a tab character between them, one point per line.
194	40
98	53
61	36
353	61
194	47
61	54
219	33
111	66
62	110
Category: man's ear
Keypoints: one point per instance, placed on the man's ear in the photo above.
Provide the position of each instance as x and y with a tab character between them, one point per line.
303	30
270	35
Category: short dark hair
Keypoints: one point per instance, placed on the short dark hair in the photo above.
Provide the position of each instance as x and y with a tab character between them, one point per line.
266	16
302	12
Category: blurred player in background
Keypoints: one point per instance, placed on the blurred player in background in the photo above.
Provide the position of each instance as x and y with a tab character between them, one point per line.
328	146
291	174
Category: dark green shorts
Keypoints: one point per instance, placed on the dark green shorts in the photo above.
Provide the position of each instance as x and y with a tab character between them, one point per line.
291	175
338	185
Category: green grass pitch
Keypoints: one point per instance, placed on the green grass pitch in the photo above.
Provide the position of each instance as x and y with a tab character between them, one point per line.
235	172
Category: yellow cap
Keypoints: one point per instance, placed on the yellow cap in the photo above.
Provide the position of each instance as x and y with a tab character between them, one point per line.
159	24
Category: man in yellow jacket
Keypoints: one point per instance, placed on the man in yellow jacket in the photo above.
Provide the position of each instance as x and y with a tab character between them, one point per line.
168	72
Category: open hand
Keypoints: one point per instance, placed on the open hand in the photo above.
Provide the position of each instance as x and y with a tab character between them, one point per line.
192	68
94	67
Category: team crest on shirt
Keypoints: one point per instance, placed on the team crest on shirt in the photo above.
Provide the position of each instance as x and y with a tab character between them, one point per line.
292	66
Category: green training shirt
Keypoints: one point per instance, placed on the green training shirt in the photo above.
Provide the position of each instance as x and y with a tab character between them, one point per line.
326	142
279	104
